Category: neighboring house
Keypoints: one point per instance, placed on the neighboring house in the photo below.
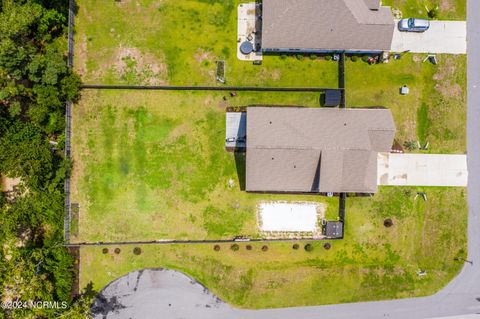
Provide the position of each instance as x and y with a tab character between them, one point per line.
315	150
353	26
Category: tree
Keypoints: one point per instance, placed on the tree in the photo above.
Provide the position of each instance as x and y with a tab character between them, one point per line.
35	84
34	78
26	153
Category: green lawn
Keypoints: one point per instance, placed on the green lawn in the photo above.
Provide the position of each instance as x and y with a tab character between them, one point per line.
371	263
447	9
178	42
153	165
435	109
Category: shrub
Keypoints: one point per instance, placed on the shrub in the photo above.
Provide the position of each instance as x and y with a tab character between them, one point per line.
365	58
264	248
328	57
283	56
388	222
234	247
308	247
433	13
410	145
354	58
137	250
313	56
295	246
105	250
300	57
216	247
249	247
117	251
327	246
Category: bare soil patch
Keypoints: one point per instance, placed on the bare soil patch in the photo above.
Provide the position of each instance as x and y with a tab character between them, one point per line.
8	184
82	52
145	65
446	80
202	55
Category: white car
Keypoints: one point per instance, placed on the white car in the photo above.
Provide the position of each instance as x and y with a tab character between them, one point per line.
413	25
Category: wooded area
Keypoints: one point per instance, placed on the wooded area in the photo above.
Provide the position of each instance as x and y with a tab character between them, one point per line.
35	83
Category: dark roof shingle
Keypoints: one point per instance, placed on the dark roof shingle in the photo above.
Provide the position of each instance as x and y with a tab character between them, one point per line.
291	149
326	25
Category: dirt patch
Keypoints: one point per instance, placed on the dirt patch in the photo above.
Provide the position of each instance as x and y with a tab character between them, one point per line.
144	66
274	74
202	55
8	184
446	5
449	90
82	52
122	3
417	58
445	79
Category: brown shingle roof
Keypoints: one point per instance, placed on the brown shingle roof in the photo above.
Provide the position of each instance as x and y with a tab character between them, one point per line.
372	4
326	25
291	149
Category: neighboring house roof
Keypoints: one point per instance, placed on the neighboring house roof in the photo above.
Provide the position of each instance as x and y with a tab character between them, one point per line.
295	149
334	25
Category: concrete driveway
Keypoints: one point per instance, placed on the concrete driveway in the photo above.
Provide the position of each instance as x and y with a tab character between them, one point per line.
441	37
422	169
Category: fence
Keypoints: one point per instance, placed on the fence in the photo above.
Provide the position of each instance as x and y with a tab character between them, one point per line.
341	79
68	118
204	88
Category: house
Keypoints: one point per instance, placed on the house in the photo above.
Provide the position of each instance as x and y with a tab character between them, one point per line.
315	150
322	26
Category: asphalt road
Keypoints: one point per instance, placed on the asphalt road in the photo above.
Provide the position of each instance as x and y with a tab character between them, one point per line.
181	297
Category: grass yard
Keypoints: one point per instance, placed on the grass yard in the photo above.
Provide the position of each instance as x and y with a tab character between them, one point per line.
434	111
177	43
371	263
152	165
447	9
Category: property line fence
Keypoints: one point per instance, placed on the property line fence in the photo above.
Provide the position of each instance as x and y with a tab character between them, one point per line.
341	79
68	121
71	21
205	88
341	206
213	241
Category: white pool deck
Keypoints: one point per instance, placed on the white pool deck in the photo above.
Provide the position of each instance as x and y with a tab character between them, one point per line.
288	217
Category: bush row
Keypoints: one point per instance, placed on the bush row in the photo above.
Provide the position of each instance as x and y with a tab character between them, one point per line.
301	57
136	250
308	247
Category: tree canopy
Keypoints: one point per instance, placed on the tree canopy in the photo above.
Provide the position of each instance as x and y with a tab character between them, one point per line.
35	84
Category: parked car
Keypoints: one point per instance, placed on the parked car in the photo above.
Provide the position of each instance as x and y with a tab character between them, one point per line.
230	139
413	25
